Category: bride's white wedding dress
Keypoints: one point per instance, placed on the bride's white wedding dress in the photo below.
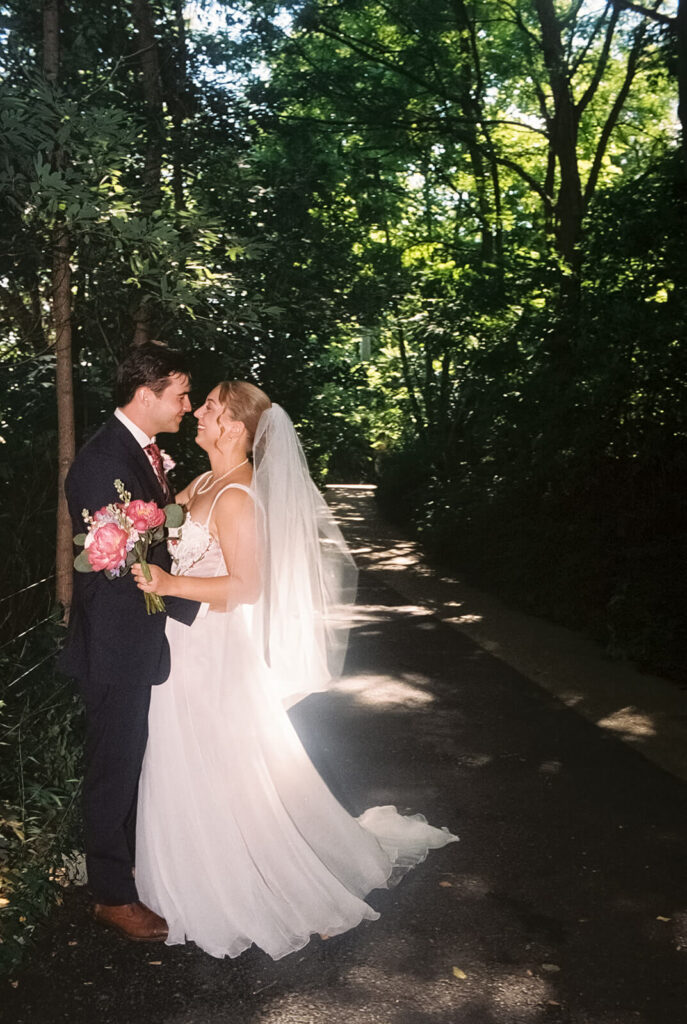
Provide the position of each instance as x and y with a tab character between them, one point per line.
239	841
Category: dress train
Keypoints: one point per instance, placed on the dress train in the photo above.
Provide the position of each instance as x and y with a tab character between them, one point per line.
239	840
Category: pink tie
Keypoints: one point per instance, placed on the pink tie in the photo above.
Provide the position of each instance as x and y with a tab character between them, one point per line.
153	453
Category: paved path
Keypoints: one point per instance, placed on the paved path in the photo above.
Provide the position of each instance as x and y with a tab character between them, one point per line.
565	901
645	711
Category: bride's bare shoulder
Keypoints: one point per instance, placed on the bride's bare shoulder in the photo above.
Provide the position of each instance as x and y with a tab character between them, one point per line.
231	505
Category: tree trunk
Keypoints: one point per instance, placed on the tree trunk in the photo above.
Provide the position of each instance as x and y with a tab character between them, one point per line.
146	45
569	205
177	106
564	129
478	142
61	308
142	318
62	322
681	40
51	39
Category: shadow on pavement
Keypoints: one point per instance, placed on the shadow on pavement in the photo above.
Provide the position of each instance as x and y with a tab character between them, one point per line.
565	901
645	711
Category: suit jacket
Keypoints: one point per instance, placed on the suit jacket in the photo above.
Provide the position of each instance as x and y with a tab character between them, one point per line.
111	638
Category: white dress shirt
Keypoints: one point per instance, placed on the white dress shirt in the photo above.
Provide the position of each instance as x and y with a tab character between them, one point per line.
139	435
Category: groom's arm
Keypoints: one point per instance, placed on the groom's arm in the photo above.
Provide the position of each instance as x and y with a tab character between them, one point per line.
182	610
89	485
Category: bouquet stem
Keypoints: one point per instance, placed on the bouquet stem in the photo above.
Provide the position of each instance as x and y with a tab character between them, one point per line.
154	602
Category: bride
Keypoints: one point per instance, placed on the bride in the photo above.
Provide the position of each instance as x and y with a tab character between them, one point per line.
239	841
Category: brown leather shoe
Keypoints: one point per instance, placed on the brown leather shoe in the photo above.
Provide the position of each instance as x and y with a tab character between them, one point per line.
134	920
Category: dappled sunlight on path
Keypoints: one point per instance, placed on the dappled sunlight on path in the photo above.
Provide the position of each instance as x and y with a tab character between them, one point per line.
643	710
565	901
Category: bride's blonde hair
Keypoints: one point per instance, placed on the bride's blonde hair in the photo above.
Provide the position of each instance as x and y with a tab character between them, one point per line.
244	402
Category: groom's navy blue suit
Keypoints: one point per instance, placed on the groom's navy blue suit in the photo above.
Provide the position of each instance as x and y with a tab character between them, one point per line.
116	652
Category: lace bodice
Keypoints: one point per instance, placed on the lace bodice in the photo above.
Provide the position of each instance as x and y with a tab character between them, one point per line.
196	552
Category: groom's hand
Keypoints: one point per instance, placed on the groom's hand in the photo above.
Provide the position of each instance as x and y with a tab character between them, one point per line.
158	583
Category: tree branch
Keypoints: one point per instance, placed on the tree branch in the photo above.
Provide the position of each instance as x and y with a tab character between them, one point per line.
384	61
657	16
611	120
522	173
601	64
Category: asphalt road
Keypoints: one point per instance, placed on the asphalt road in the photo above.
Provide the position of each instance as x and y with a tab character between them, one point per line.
565	901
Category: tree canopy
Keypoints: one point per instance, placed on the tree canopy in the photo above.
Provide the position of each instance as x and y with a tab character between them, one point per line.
452	230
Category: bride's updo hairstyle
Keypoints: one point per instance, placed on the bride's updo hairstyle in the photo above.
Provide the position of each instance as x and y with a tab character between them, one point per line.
244	402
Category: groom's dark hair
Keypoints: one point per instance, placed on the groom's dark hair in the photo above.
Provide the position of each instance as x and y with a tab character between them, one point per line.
148	365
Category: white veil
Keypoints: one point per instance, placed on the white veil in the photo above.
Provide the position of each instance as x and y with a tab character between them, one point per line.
308	574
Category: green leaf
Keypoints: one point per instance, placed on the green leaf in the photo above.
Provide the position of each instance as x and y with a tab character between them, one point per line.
174	516
80	540
81	563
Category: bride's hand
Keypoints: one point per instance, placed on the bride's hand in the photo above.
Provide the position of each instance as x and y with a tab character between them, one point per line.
158	581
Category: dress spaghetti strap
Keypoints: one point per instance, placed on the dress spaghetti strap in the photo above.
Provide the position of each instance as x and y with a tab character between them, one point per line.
227	487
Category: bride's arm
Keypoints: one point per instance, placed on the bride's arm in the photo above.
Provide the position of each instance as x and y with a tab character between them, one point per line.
235	528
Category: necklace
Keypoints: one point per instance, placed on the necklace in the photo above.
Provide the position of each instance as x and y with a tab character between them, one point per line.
208	484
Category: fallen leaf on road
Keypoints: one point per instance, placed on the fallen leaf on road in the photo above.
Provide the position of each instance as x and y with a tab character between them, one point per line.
155	963
446	885
14	984
659	918
73	943
457	973
552	1002
550	968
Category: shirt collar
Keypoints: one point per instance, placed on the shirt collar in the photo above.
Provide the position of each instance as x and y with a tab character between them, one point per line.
139	435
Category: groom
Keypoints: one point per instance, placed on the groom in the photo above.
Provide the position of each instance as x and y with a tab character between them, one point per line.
113	648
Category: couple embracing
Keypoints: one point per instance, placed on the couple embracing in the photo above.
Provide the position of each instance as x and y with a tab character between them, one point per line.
205	820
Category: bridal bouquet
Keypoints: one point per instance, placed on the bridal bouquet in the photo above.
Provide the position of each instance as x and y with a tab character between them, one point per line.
121	533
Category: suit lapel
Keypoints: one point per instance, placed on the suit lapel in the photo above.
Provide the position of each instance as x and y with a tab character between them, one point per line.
117	434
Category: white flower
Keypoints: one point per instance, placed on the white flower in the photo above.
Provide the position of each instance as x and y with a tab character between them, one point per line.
168	462
134	535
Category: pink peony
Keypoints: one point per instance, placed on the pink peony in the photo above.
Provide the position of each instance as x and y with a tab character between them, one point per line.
106	547
145	515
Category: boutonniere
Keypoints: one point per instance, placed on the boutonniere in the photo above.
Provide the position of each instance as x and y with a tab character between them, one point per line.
168	462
